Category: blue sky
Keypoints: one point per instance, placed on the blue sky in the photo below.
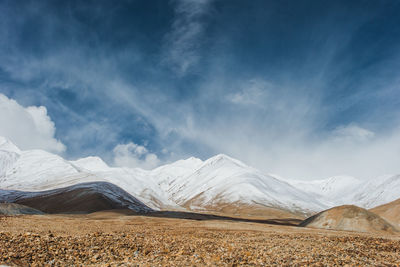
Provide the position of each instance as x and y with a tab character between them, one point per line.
304	89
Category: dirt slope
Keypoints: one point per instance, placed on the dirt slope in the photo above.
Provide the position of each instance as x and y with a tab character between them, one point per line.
390	212
241	209
349	218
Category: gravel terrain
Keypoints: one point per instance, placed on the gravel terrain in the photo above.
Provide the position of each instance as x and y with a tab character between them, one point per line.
112	239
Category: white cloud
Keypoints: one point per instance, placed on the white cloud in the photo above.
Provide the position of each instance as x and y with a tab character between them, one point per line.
183	41
132	155
352	132
28	127
254	93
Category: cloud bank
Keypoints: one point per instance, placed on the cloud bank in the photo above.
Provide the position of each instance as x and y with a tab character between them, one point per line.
132	155
28	127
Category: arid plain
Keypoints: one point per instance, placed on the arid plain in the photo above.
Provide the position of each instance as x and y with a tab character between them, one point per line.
119	238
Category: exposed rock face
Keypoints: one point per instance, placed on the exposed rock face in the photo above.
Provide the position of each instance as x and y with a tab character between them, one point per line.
17	209
390	212
349	218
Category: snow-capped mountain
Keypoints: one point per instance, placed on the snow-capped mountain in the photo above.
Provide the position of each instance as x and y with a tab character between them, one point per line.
9	154
192	183
377	191
169	174
94	164
37	170
222	179
340	190
333	191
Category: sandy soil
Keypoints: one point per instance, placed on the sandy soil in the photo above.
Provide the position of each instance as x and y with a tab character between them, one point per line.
115	239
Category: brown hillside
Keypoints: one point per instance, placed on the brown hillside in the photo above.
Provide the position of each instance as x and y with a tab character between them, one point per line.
390	212
241	209
349	218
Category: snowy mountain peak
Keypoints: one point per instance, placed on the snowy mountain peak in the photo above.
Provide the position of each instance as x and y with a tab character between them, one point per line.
192	183
7	145
222	159
193	159
91	164
180	166
189	162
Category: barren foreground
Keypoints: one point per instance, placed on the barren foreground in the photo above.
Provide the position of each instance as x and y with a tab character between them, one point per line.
110	238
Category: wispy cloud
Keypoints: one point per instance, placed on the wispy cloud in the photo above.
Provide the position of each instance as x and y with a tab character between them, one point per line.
284	95
353	132
254	93
183	42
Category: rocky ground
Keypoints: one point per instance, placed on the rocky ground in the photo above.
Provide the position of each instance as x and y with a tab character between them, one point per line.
112	239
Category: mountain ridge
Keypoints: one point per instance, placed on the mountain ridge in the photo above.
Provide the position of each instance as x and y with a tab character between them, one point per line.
192	183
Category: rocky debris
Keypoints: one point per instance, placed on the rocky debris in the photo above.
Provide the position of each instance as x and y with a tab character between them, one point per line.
17	209
142	241
349	218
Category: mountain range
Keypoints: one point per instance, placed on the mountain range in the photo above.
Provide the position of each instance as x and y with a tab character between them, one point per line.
218	184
